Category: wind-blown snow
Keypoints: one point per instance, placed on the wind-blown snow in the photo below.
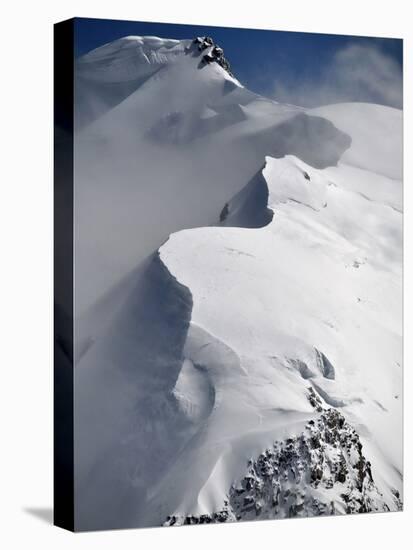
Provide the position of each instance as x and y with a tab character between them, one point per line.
274	298
376	133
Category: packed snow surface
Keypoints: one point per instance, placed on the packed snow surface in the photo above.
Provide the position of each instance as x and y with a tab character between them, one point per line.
238	270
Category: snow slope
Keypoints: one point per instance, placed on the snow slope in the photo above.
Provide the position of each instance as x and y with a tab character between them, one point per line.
281	308
323	276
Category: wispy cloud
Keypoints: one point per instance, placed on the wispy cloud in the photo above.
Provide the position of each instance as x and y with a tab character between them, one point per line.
356	73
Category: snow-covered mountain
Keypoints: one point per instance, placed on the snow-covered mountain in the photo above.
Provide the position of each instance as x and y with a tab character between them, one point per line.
239	296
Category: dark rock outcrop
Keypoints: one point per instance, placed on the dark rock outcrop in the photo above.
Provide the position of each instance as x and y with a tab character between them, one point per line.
215	53
322	471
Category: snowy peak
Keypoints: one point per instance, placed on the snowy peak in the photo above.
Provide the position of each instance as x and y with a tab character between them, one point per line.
188	69
129	58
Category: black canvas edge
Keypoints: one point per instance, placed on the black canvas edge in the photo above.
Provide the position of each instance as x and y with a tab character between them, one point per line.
63	429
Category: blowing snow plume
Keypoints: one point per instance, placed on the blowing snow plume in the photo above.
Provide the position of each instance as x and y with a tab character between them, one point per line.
356	73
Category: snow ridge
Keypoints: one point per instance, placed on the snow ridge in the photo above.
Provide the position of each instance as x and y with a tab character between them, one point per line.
331	473
230	375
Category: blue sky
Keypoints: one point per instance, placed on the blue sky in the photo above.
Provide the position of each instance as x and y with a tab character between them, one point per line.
289	66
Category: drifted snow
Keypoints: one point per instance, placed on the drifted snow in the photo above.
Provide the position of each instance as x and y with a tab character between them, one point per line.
204	357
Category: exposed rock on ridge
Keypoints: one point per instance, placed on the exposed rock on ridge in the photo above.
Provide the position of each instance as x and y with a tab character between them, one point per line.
322	471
